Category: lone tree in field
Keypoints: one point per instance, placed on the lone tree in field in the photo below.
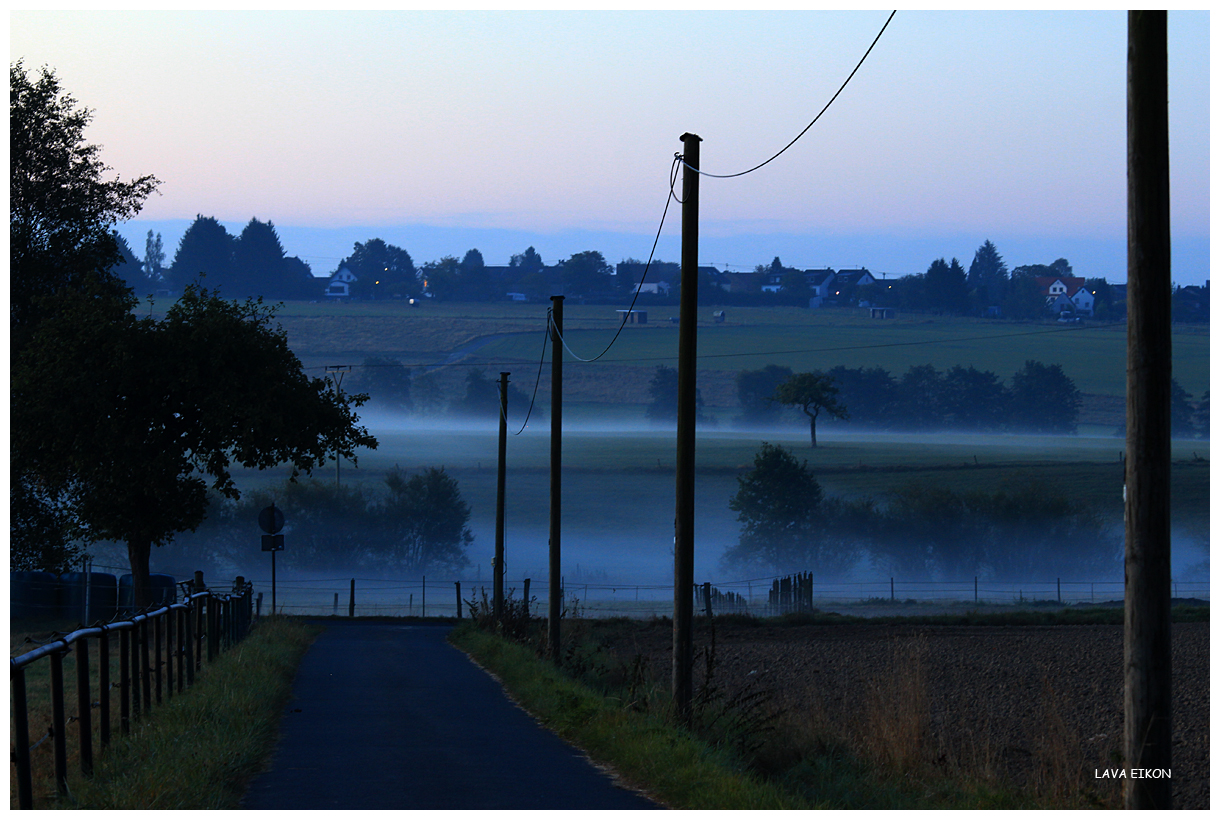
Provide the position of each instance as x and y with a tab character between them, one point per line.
813	393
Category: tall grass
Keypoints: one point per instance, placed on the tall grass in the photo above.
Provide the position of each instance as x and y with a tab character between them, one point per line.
198	750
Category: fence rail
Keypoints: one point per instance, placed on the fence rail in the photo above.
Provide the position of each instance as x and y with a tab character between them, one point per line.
150	645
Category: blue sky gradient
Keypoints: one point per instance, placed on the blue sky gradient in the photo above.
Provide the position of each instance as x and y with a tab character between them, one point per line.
443	131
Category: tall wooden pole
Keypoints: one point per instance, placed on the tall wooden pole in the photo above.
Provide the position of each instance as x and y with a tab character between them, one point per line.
498	569
554	594
684	508
1147	730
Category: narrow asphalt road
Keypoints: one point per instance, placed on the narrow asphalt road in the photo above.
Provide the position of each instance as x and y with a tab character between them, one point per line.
388	716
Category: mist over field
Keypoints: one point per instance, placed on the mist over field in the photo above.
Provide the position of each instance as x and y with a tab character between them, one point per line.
618	496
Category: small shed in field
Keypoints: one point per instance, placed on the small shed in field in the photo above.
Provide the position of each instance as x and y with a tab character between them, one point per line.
635	317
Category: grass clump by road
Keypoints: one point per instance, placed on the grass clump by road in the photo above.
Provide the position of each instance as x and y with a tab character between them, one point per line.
199	749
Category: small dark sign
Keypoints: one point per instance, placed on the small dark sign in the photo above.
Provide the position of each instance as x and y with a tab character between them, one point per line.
271	520
273	543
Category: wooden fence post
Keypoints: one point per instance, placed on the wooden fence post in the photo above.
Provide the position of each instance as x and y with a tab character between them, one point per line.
21	739
83	710
103	686
58	723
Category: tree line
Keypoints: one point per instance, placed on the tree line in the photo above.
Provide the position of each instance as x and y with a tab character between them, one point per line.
254	263
1038	398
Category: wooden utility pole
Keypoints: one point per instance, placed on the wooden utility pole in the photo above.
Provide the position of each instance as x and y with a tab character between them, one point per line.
498	579
1147	730
554	593
684	508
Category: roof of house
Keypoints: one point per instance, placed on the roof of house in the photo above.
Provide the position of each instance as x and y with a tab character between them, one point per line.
852	275
1071	284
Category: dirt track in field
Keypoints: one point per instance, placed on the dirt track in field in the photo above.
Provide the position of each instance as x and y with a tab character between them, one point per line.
1039	706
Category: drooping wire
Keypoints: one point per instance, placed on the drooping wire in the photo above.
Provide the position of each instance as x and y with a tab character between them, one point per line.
537	381
673	171
815	119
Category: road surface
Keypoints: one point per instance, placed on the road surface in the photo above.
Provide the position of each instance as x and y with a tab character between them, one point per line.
390	716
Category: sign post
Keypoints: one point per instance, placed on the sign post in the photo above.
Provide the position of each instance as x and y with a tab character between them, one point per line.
271	521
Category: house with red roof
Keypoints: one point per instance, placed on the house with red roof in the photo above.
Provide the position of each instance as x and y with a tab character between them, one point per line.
1066	293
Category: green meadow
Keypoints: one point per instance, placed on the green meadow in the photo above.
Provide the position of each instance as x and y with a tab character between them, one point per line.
510	336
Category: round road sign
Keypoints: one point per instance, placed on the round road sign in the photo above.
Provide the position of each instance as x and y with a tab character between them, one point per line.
271	520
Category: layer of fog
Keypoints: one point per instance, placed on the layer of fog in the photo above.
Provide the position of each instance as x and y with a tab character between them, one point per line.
630	546
584	422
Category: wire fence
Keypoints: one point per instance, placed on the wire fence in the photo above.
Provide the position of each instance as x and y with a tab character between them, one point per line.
423	597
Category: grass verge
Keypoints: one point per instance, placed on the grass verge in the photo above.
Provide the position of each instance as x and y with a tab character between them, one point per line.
735	757
200	749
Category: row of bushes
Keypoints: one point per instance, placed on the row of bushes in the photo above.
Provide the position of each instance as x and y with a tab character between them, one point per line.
1021	530
418	523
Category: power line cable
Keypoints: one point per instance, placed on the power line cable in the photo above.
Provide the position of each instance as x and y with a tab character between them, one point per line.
643	277
538	380
815	119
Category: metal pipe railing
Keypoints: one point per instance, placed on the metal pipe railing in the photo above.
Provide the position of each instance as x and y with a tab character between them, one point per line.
140	673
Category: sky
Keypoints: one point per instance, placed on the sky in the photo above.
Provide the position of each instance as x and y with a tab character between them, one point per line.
497	130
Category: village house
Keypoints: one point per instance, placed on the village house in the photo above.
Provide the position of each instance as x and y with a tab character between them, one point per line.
1066	293
820	282
845	284
339	285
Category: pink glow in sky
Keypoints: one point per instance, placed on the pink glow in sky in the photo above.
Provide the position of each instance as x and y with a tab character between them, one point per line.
981	123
